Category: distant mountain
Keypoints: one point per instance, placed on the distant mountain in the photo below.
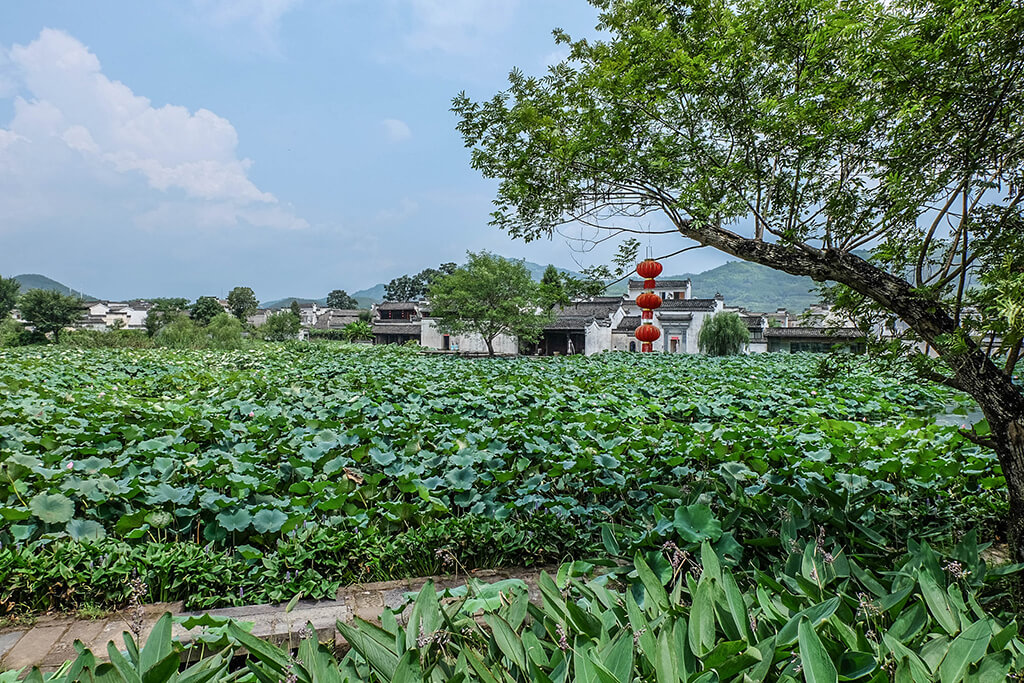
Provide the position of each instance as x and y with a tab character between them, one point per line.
35	281
754	287
372	295
287	301
750	285
375	294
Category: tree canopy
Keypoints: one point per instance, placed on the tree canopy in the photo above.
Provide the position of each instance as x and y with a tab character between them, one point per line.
205	309
49	311
242	302
792	134
723	334
339	298
414	287
163	312
490	295
558	288
281	326
357	330
8	295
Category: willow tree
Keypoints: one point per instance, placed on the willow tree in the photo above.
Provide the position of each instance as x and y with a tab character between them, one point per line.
724	334
795	134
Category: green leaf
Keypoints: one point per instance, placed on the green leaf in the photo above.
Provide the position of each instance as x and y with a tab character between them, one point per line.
815	614
938	603
425	617
856	665
652	584
696	523
238	520
461	479
408	669
818	666
85	530
52	508
966	649
665	667
268	520
507	640
158	644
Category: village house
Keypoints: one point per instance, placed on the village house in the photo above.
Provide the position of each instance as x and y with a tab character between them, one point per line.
814	339
105	315
608	323
336	318
400	322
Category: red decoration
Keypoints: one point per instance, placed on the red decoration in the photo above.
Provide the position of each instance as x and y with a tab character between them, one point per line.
647	333
648	300
648	269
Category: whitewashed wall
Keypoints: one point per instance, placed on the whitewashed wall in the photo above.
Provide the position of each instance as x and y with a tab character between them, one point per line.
432	338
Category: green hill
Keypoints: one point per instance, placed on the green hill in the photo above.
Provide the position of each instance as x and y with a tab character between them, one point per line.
375	294
755	287
287	301
750	285
35	281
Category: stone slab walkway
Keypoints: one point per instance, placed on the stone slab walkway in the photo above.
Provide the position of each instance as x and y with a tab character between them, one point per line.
50	641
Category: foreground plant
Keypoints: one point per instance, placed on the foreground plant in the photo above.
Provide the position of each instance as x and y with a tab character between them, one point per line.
822	617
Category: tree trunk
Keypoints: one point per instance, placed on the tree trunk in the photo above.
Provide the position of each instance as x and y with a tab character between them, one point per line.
1010	450
974	373
490	346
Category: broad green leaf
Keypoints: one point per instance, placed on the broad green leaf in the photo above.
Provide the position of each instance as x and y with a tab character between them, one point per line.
52	508
85	530
817	665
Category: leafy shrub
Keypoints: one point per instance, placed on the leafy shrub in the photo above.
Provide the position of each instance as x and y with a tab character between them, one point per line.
314	561
225	332
112	339
280	326
10	332
181	333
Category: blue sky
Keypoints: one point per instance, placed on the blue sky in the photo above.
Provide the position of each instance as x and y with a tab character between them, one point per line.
295	146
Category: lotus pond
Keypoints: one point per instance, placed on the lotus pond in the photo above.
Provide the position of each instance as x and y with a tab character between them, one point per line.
226	475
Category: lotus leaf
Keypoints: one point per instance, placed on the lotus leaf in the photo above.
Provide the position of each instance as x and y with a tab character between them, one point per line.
237	520
85	530
696	523
52	508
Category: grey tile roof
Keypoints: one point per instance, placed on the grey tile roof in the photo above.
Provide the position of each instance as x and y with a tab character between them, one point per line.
689	305
398	305
397	328
579	315
629	323
814	332
661	284
569	322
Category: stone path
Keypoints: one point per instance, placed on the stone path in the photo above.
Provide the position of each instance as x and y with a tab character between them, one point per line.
50	641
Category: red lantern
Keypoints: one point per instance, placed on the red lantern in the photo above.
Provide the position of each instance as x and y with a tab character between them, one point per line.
647	333
648	300
648	269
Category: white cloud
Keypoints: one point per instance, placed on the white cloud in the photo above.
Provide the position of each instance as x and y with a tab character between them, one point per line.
396	130
86	130
260	18
407	208
457	26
